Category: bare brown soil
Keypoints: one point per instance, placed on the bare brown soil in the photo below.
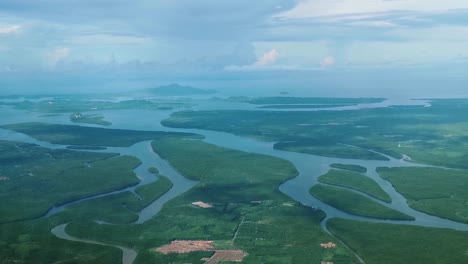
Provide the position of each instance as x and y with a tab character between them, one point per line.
328	245
202	204
186	246
226	255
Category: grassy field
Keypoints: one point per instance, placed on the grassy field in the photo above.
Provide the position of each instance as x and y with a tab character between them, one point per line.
354	203
243	188
349	167
36	178
440	192
88	136
434	135
401	244
355	181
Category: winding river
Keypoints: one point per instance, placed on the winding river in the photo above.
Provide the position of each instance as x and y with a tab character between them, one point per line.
310	167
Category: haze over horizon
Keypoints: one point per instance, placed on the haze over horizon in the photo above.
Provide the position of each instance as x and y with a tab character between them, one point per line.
346	48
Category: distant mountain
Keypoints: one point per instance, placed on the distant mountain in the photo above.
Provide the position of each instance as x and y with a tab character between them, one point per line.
178	90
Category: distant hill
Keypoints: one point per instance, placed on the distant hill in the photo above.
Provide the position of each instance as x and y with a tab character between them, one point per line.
178	90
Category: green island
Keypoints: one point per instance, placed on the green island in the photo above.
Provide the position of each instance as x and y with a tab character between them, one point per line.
354	203
401	244
88	136
313	100
328	149
178	90
247	211
89	119
349	167
292	106
440	192
355	181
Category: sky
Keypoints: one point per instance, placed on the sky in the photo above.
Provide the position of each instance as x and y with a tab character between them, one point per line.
312	47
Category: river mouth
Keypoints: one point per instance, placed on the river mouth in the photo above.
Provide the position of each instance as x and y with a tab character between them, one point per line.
310	167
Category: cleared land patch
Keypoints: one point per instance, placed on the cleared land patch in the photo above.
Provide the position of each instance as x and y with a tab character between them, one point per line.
230	180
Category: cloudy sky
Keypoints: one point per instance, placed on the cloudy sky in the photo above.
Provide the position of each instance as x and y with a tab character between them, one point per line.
316	46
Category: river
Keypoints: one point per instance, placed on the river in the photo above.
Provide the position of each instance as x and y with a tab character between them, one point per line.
310	167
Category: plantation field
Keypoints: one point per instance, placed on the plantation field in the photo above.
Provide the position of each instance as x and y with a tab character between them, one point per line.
401	244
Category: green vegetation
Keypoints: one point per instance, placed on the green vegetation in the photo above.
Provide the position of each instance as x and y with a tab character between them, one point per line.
440	192
32	242
89	119
349	167
354	203
37	178
119	208
229	180
76	106
150	193
89	136
314	100
292	106
355	181
178	90
401	244
153	170
86	148
206	165
434	135
329	149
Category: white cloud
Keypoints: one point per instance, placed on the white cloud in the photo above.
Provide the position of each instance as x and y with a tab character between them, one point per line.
266	61
57	55
9	29
268	58
328	61
326	8
373	23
